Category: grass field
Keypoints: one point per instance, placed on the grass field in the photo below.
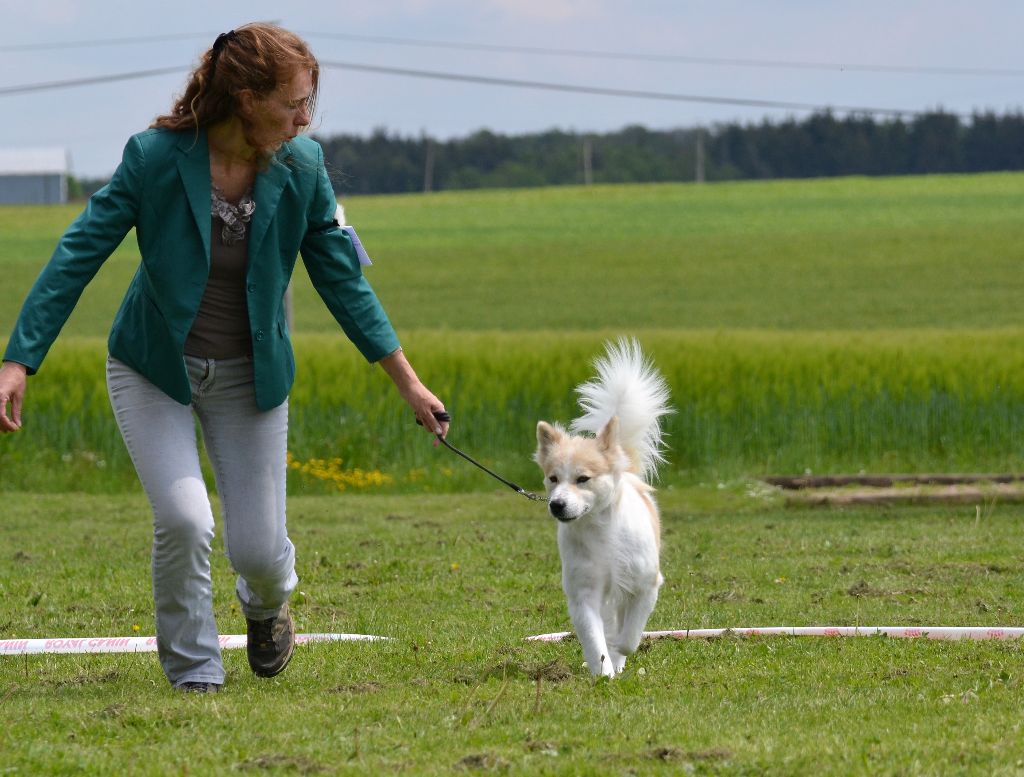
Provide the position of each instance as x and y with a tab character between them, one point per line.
853	324
837	325
458	582
840	254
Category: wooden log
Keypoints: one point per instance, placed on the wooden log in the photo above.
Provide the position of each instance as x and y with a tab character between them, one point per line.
796	482
923	495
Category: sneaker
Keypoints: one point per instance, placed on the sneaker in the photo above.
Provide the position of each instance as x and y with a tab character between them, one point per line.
197	687
270	643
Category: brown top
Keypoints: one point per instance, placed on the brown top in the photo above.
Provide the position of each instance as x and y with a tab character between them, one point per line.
221	328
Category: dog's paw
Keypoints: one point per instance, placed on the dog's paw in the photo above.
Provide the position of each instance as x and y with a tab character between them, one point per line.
618	663
602	668
608	667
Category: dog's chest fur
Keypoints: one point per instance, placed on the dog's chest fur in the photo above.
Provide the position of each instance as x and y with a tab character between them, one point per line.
613	549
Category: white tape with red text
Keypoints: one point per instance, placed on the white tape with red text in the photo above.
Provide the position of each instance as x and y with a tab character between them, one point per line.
17	647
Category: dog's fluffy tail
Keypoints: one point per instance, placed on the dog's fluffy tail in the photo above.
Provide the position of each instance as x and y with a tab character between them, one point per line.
630	388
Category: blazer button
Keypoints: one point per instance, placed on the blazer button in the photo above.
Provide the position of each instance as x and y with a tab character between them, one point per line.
259	334
251	287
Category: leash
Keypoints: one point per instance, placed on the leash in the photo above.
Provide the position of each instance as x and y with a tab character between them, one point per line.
445	418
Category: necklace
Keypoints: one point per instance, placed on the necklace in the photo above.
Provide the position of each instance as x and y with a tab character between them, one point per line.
235	217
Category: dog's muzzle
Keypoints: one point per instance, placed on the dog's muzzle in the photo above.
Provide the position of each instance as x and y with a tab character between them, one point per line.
557	509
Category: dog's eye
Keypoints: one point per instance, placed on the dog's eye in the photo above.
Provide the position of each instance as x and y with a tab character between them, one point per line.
582	479
553	478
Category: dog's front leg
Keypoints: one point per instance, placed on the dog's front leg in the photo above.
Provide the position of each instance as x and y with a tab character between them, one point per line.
634	617
585	611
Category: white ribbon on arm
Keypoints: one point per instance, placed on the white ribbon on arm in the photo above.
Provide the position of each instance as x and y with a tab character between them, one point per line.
364	258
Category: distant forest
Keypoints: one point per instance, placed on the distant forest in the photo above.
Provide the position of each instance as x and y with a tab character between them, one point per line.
819	146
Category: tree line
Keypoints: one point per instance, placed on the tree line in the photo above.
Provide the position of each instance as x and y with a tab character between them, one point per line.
820	145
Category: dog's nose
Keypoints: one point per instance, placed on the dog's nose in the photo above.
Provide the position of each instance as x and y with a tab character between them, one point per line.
557	508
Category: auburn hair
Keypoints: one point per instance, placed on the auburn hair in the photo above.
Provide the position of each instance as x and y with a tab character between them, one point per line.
255	57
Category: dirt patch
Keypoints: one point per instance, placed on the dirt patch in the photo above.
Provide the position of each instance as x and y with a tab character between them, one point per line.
483	762
89	679
726	596
677	755
553	672
292	763
862	589
357	688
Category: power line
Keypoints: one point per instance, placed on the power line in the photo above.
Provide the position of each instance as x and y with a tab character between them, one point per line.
505	82
678	58
46	85
610	92
553	52
79	44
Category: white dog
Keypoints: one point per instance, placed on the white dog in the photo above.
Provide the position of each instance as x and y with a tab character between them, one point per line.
599	490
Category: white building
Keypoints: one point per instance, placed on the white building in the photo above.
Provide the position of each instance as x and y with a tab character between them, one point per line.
33	176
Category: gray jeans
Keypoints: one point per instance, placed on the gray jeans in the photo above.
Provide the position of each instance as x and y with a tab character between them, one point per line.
248	449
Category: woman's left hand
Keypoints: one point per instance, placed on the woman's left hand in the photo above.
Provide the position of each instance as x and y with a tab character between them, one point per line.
424	404
422	401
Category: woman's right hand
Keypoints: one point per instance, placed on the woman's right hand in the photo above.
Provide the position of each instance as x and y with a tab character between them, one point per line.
12	391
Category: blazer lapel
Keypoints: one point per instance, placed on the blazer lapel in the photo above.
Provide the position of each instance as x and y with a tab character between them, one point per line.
194	168
266	194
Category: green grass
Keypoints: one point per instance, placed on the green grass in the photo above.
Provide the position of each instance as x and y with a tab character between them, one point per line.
827	325
836	254
747	404
458	581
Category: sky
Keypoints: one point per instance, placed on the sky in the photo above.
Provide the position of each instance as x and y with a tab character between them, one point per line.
810	52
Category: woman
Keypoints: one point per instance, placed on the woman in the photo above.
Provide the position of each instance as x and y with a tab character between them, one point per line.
223	192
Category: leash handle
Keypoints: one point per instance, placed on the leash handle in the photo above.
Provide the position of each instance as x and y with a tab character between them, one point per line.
445	417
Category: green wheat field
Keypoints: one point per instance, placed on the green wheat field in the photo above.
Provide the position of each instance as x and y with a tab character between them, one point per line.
834	326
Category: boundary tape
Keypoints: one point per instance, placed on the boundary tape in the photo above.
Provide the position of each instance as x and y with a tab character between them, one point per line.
17	647
914	632
72	645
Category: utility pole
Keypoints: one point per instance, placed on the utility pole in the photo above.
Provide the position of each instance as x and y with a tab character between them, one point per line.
699	161
588	154
428	166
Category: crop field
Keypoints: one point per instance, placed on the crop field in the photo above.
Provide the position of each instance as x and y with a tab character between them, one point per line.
747	404
833	326
836	325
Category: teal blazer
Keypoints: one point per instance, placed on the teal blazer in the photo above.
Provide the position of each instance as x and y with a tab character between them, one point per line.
162	188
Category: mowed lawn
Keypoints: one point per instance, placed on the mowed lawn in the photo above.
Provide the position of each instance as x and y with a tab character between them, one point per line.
457	582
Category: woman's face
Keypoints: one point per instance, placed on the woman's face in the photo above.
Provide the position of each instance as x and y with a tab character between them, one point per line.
285	112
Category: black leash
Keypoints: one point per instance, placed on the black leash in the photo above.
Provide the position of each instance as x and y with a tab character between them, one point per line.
445	418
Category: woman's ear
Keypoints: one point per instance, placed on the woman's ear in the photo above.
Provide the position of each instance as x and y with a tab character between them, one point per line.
247	103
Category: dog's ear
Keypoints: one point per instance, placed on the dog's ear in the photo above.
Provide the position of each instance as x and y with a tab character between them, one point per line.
547	436
608	437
